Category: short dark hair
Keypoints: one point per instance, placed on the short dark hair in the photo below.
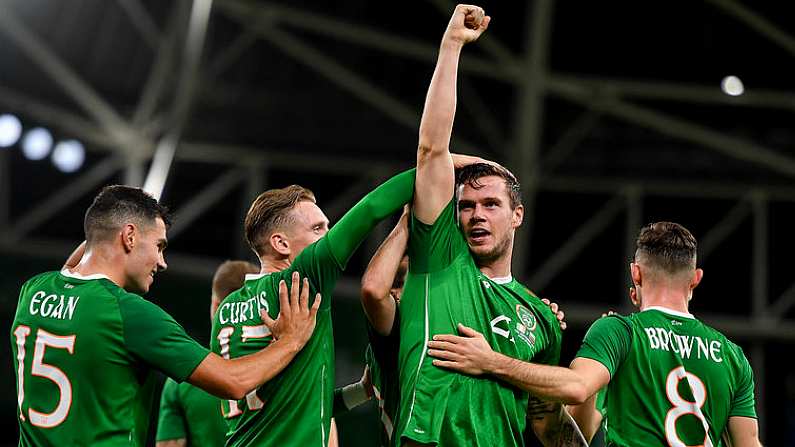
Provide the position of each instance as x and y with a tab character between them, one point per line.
271	211
230	276
469	175
116	205
667	245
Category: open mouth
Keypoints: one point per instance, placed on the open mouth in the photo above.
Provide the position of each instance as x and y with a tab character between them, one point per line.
478	235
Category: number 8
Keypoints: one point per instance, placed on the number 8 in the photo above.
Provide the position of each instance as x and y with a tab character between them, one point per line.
683	407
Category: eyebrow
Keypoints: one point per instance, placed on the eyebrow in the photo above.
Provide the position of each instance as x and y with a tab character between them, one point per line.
163	242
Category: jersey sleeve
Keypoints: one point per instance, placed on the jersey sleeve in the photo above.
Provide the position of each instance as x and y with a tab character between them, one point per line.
376	206
152	336
171	420
434	247
552	339
608	342
743	402
323	261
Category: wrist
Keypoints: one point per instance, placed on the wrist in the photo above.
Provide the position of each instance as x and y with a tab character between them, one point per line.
450	43
354	395
494	364
290	343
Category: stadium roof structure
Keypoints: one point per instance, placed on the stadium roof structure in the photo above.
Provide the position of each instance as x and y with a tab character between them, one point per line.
610	113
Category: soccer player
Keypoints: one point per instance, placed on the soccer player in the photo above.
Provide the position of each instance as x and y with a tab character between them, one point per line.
85	344
289	233
462	275
189	416
382	287
671	379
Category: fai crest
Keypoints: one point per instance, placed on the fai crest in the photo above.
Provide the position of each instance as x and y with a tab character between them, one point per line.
526	325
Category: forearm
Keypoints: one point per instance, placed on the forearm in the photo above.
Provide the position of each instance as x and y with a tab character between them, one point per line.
586	416
172	443
348	397
547	382
357	223
377	281
436	126
234	378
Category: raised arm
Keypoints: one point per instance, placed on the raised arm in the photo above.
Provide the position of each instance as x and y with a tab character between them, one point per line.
345	236
233	379
435	175
379	305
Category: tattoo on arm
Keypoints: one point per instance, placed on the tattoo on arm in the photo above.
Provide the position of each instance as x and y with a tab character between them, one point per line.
539	409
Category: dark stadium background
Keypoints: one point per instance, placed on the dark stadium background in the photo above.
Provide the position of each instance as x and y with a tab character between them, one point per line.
611	113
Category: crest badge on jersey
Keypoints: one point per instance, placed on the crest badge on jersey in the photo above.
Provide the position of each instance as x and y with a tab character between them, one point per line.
526	325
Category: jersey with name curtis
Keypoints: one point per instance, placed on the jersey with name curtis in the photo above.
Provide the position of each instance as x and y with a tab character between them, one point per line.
242	311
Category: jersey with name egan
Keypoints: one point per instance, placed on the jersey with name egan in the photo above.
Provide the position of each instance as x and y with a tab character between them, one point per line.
84	352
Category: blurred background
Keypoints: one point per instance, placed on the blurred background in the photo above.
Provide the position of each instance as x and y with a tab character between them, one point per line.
612	114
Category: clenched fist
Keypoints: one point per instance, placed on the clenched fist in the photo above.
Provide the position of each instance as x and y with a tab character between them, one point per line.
467	24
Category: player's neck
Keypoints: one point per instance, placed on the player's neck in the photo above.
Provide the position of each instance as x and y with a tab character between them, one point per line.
667	298
99	261
272	265
498	268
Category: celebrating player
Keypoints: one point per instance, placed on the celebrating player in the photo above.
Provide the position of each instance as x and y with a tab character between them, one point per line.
671	379
463	275
85	344
189	416
289	233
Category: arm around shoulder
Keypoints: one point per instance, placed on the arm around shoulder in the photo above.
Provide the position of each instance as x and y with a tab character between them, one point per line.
234	378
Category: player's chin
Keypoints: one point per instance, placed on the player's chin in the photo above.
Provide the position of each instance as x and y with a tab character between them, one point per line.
143	286
481	250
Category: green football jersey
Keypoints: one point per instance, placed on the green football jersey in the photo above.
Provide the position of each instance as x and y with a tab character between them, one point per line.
295	407
84	352
382	358
302	394
190	413
674	380
444	287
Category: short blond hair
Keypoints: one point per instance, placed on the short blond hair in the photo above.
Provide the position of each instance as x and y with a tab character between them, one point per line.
271	212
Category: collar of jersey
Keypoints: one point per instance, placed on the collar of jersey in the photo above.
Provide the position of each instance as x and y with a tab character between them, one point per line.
670	311
69	274
253	276
502	280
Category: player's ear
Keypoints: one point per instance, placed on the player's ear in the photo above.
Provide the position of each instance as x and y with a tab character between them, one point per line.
128	235
697	276
637	276
280	243
517	217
